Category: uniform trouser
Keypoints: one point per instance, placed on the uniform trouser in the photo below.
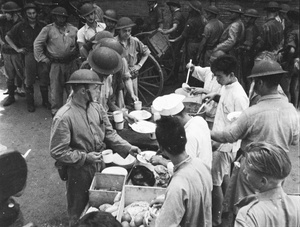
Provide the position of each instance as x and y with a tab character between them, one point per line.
78	184
177	48
192	49
33	69
13	64
59	75
207	55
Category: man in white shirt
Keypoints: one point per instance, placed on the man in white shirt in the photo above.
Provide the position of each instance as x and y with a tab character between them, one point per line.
88	31
197	132
231	98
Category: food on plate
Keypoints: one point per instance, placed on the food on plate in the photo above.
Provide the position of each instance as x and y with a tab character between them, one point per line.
136	210
162	175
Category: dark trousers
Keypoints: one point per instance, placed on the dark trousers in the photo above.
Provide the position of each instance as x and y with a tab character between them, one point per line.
78	184
177	52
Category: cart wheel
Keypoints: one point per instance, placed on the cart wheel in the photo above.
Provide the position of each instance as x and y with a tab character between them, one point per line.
150	81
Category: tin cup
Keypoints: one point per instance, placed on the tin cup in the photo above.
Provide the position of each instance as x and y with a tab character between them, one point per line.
119	125
137	105
125	111
118	116
107	156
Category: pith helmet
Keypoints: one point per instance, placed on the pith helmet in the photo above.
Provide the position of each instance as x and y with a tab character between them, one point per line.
59	11
235	9
84	76
212	9
266	68
102	35
30	6
124	22
196	5
174	3
284	8
272	6
112	44
105	60
251	13
86	9
110	14
10	7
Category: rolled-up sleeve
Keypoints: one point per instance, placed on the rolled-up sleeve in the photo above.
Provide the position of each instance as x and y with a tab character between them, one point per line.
60	144
237	129
39	45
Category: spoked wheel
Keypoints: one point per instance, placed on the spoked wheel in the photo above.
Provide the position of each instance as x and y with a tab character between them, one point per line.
161	49
150	81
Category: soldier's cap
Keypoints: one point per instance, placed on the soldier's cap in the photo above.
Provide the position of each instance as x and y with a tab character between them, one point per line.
174	3
272	6
251	13
266	68
212	9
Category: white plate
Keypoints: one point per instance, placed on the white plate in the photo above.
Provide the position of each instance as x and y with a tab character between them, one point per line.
145	156
141	114
234	115
143	127
115	170
118	160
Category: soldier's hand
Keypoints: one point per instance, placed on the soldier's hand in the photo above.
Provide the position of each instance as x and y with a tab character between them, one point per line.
46	60
93	157
134	151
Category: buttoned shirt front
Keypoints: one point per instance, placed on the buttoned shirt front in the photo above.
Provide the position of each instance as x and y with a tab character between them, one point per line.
59	42
188	196
85	33
273	120
77	130
23	34
273	208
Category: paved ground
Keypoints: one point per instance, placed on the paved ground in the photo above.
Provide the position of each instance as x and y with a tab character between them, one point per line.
44	200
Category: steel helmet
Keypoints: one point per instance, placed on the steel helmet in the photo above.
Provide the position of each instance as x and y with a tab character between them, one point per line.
272	6
175	3
251	13
84	76
110	14
112	44
59	11
236	9
284	8
86	9
102	35
212	9
196	5
124	22
10	7
30	6
105	60
266	68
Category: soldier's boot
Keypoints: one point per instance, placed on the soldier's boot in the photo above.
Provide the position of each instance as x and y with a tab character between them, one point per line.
30	98
45	100
11	96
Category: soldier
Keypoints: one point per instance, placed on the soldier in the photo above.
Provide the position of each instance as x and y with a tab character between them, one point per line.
178	22
271	37
132	48
246	48
21	38
56	46
155	18
13	63
91	27
192	33
211	35
110	19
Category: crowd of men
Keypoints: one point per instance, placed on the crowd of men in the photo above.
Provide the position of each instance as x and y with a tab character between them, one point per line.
239	174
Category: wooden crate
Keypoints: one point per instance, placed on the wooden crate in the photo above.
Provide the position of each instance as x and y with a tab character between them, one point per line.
133	193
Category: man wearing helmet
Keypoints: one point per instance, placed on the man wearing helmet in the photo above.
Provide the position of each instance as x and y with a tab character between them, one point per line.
132	47
21	38
273	119
91	27
110	19
56	46
78	132
155	17
12	59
